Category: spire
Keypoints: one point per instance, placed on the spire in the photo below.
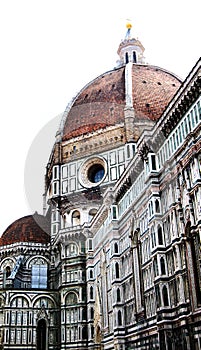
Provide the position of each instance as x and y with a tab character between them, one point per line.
130	49
128	33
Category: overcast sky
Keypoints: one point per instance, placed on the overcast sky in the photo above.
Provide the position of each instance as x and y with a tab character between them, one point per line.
49	51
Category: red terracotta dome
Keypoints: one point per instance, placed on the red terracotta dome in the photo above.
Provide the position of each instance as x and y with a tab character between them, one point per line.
31	228
101	103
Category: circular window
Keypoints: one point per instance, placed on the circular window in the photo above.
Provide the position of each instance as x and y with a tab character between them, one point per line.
95	173
92	172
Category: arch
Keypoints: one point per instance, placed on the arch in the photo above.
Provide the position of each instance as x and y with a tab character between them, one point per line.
7	271
71	249
116	248
157	206
38	259
117	270
165	296
25	297
41	334
126	58
91	275
64	219
19	301
160	235
162	263
43	302
75	218
128	151
188	229
71	298
7	265
9	260
119	317
92	213
134	57
40	300
118	295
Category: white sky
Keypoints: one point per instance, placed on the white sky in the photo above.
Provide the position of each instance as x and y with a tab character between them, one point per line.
49	51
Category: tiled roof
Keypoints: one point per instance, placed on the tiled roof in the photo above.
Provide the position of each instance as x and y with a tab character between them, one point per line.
31	228
101	103
153	89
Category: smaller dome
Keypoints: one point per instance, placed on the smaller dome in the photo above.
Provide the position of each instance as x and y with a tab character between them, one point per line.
31	228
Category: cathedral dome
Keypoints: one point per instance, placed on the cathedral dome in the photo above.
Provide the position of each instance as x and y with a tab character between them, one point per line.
102	102
31	228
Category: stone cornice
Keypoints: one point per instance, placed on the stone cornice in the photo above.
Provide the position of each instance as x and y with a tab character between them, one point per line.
179	105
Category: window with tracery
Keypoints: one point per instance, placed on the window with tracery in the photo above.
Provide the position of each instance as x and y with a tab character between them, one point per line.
76	218
117	270
39	276
165	296
71	299
119	316
71	249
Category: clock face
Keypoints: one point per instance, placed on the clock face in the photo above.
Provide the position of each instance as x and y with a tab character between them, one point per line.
92	172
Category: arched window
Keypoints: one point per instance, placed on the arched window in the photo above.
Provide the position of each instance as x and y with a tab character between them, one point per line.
165	296
153	162
160	235
116	270
91	292
76	218
92	213
39	275
71	299
114	212
7	271
134	57
158	296
119	318
118	295
162	261
71	249
126	57
128	151
91	273
157	206
116	248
